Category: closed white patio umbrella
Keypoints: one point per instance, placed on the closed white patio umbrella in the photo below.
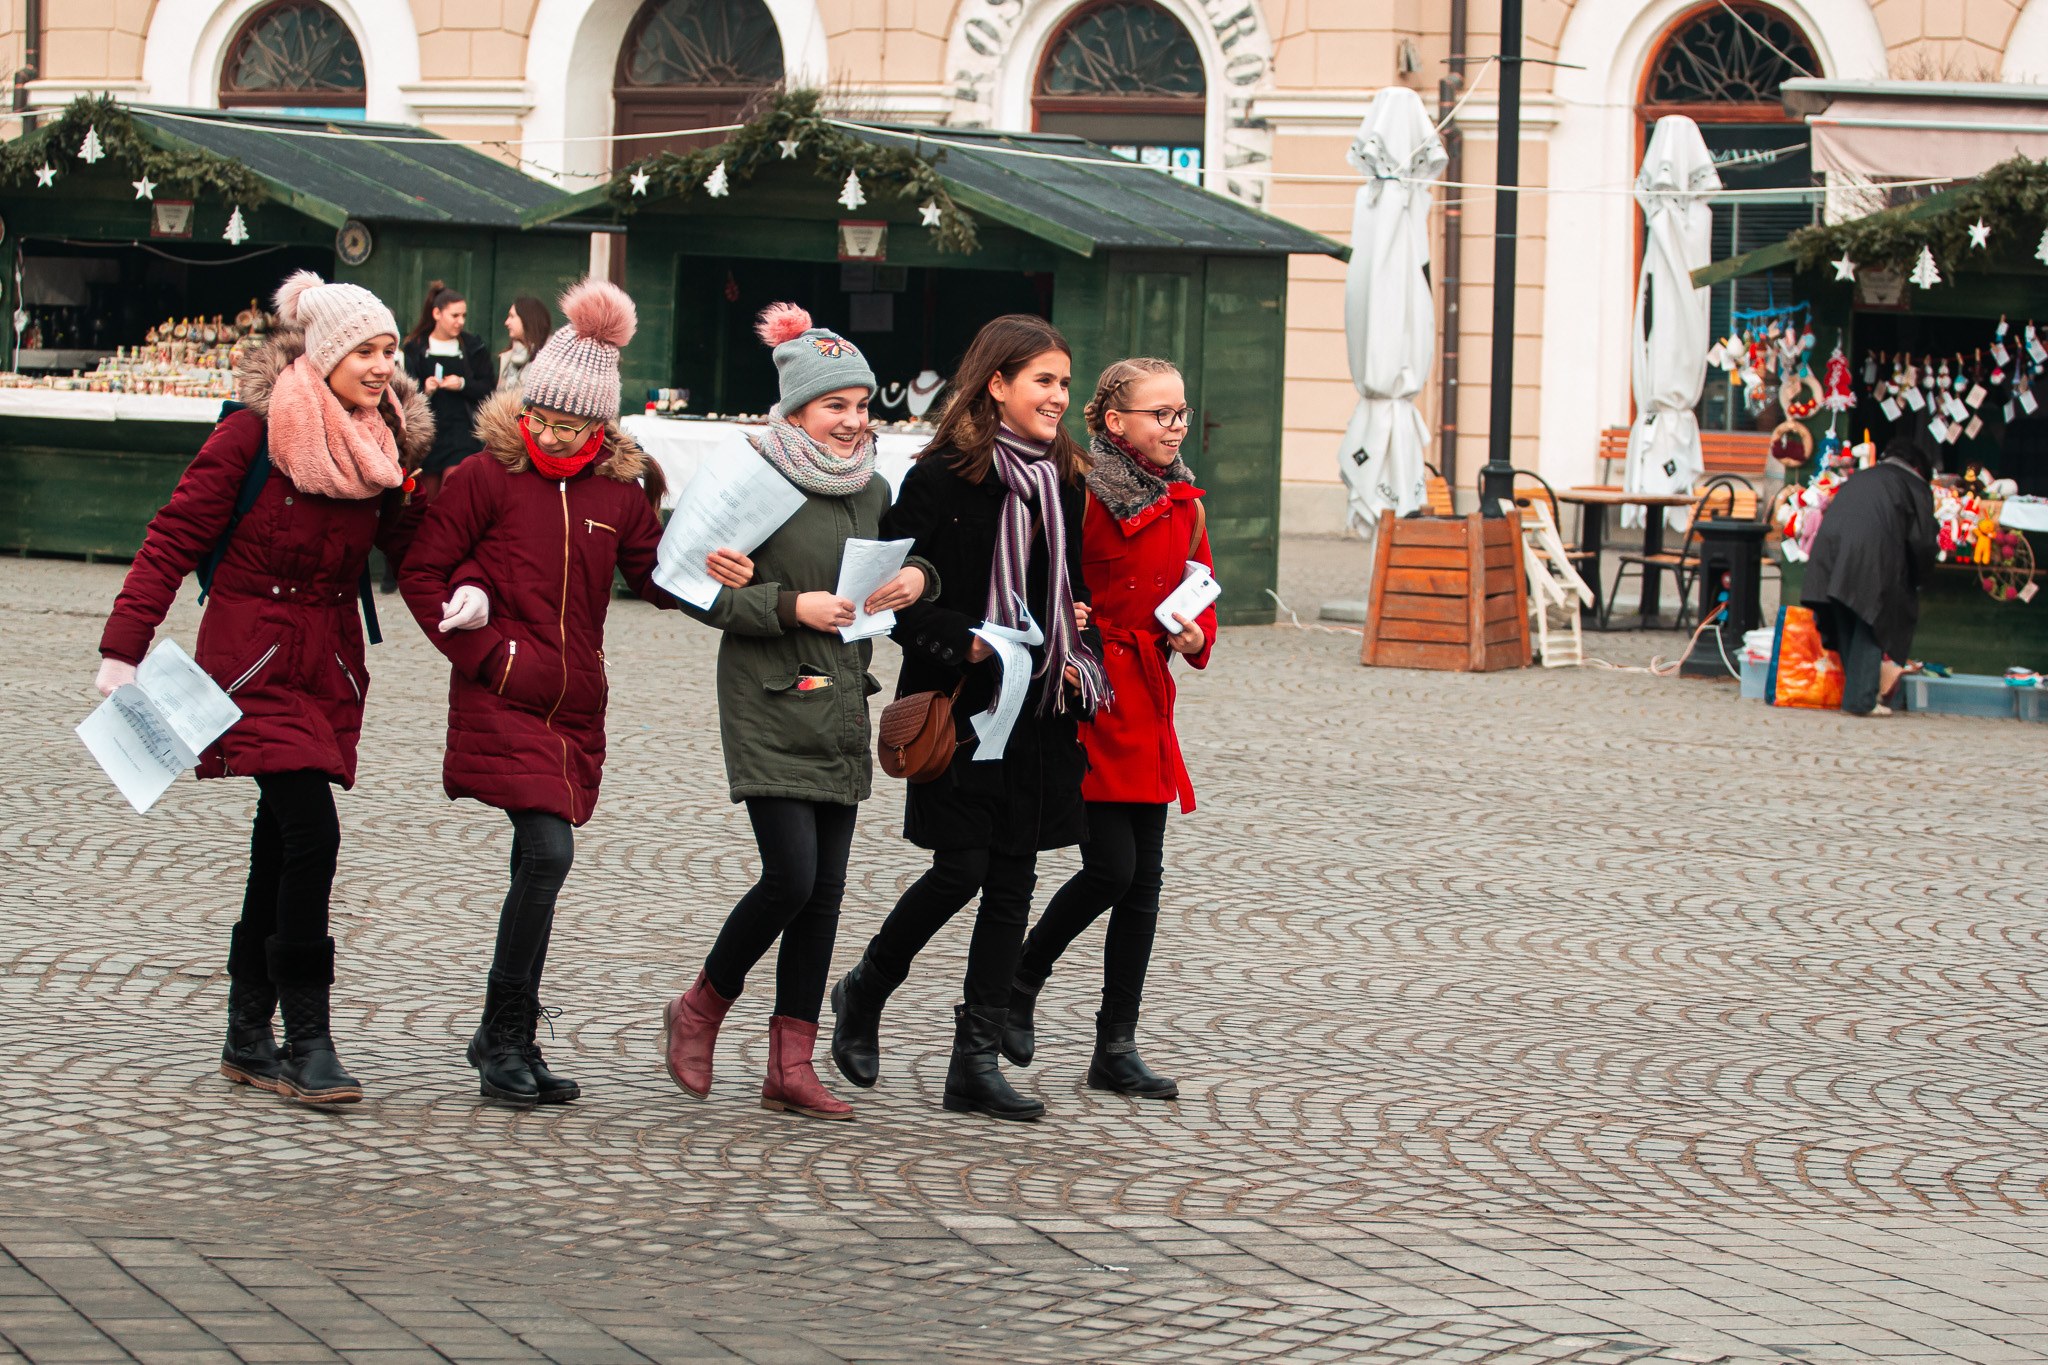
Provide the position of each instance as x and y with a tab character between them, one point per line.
1389	316
1671	319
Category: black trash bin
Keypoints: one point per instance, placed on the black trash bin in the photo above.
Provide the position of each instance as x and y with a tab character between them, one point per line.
1730	575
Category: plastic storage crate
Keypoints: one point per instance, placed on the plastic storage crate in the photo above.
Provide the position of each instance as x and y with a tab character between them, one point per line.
1965	694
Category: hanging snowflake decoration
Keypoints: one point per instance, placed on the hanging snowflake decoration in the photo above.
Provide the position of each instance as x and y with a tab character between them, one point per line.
850	194
238	230
1925	273
716	185
91	150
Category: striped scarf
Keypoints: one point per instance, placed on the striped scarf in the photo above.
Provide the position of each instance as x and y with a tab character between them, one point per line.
807	463
1030	477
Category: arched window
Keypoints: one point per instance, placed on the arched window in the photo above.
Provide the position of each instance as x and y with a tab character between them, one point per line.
692	64
1124	73
1721	66
294	55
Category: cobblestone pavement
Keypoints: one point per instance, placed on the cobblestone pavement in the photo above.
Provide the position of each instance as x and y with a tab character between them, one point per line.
1548	1016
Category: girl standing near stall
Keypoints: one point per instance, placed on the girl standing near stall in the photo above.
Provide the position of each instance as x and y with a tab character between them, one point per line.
510	576
793	714
994	504
528	324
455	370
1144	525
328	425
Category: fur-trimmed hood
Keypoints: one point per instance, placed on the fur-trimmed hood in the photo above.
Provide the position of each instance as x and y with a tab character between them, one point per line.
257	371
497	426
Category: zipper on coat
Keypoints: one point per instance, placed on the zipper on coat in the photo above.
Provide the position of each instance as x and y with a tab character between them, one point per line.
562	630
255	668
511	653
350	676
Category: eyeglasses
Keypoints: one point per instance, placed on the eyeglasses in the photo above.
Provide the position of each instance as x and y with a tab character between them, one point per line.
1166	417
561	431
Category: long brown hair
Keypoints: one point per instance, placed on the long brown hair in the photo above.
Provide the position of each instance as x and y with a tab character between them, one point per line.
968	425
535	321
439	295
1121	374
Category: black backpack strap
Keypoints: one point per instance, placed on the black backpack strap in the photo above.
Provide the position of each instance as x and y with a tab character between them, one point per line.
366	593
253	480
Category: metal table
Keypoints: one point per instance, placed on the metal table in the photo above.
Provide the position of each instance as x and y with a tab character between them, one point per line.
1593	504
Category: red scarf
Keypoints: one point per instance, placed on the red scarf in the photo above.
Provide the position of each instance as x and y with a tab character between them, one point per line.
562	466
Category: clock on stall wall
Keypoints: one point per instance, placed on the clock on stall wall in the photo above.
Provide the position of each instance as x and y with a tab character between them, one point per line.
353	242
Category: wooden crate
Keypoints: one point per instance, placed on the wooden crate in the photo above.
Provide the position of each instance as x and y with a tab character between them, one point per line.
1448	593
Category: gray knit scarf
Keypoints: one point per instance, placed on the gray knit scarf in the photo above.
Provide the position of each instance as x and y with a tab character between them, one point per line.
1126	483
1029	477
808	464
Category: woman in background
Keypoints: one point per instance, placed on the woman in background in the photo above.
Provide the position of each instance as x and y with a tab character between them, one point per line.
529	324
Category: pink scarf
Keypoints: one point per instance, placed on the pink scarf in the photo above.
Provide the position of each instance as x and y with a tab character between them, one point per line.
324	447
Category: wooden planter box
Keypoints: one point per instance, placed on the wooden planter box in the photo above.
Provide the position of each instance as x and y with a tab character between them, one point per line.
1448	593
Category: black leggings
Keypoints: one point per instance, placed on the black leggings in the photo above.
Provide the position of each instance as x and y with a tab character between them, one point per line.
1862	663
543	850
293	845
1122	865
1005	881
804	847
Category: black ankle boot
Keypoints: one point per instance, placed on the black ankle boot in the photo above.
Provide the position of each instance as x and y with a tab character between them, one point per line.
974	1083
1116	1065
310	1072
1020	1032
857	1000
549	1087
250	1055
498	1049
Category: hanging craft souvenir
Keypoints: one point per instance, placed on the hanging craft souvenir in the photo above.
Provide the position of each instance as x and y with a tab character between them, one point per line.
1840	392
1791	443
1801	396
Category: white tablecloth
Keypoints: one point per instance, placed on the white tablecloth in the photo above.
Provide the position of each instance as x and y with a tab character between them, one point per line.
679	445
2023	516
107	407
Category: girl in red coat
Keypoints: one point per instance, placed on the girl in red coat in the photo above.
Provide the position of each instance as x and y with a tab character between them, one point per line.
1143	525
323	401
510	576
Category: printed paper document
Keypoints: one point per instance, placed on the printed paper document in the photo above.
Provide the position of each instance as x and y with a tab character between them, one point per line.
992	727
865	566
154	728
735	501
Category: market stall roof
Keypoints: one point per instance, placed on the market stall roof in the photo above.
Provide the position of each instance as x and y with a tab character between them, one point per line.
1868	132
334	171
1067	191
1779	255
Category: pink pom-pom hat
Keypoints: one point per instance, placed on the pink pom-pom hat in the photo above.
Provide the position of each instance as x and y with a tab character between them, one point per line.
336	318
810	361
577	371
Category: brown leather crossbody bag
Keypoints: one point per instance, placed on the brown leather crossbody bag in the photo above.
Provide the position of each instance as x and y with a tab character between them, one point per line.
915	739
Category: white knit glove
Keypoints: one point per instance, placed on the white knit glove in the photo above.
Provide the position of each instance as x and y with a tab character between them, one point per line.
113	674
466	610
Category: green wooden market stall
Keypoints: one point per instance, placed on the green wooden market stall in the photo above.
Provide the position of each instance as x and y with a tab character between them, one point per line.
141	231
1879	313
948	229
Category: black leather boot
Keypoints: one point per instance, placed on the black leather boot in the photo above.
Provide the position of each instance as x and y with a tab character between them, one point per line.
549	1087
1020	1032
498	1049
250	1056
310	1073
857	1000
1116	1065
974	1083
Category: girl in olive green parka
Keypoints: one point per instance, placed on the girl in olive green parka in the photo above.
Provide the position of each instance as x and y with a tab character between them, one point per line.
793	714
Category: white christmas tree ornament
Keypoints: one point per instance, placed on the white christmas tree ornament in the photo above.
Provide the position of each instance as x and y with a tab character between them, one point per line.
1980	235
237	230
46	176
850	195
789	147
1925	273
91	150
640	179
1845	269
716	185
930	213
145	188
2041	251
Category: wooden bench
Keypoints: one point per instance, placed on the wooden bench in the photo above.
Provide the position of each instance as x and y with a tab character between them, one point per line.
1747	453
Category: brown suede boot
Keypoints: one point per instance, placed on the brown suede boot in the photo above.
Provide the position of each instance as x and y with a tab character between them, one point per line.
793	1086
689	1032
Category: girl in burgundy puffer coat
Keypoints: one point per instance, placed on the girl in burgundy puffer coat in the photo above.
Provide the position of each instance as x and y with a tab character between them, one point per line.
510	576
325	403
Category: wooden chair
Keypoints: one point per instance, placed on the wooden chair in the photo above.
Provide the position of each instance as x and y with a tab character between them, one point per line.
1613	451
1723	495
1747	453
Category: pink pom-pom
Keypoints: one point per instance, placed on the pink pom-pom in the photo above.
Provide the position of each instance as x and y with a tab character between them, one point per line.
782	322
288	293
600	311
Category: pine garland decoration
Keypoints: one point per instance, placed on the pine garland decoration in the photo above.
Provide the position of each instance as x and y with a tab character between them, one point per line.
192	173
2011	197
833	153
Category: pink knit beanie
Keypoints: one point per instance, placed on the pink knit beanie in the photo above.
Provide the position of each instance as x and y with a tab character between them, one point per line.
577	372
336	318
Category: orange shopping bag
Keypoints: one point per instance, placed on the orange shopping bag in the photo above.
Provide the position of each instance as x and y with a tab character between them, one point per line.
1803	671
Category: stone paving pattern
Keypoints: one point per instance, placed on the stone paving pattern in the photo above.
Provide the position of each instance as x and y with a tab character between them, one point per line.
1547	1016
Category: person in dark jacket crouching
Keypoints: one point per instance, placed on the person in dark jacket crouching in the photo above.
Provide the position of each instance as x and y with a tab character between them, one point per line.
510	576
326	405
995	505
1874	550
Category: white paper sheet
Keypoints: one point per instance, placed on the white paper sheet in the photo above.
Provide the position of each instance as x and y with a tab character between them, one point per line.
1198	588
154	728
864	566
992	727
736	501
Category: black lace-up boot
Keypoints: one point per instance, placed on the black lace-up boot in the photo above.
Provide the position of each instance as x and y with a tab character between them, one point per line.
498	1050
310	1072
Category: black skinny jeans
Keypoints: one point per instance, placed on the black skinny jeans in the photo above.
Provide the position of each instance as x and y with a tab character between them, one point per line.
543	850
1122	867
1005	881
804	846
293	846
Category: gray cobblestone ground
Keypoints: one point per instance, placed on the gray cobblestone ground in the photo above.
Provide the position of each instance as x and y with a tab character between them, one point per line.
1575	1016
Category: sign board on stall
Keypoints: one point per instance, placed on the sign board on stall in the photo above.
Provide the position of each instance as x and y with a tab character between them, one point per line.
1881	289
170	218
861	240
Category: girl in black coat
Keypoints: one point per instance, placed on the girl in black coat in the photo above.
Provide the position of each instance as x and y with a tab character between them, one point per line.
994	504
456	371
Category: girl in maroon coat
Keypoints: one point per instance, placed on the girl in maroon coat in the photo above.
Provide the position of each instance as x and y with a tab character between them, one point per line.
510	576
1143	525
324	403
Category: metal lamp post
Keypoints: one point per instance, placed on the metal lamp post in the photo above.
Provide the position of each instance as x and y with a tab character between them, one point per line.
1497	477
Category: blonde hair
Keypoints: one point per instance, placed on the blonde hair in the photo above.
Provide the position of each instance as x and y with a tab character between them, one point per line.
1120	375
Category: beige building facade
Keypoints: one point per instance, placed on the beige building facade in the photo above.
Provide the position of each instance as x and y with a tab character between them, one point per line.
1260	98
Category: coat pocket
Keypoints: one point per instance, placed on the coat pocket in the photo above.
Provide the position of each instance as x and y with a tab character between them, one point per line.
247	674
354	687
